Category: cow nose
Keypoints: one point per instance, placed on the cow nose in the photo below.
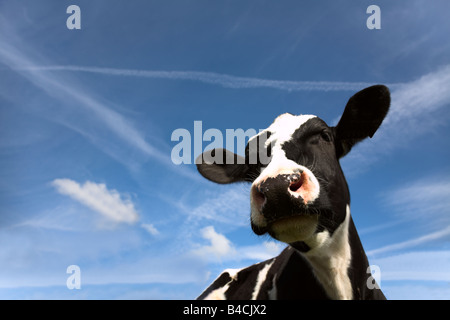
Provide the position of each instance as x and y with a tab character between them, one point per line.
259	197
277	188
296	182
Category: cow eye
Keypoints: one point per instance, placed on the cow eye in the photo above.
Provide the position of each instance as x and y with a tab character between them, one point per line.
325	135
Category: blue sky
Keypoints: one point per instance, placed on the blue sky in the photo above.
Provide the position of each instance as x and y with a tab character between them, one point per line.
86	118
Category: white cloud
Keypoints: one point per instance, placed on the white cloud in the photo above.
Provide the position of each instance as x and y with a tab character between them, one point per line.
150	228
221	249
219	246
229	208
109	203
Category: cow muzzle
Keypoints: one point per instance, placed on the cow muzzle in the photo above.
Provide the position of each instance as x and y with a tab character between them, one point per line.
281	204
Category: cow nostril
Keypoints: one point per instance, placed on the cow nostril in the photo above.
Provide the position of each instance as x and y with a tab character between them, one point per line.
296	185
258	197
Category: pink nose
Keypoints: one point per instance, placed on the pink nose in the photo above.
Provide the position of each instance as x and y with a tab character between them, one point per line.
284	184
259	199
296	182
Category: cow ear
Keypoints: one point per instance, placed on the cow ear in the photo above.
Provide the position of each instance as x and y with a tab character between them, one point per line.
362	116
221	166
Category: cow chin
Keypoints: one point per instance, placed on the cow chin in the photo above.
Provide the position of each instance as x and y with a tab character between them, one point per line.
294	228
290	229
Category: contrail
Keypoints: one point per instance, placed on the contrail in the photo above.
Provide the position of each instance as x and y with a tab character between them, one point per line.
413	242
224	80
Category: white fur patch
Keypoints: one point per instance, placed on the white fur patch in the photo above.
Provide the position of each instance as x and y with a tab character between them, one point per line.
219	293
282	130
262	275
330	258
284	127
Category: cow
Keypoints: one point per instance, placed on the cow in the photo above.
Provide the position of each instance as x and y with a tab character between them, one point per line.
300	196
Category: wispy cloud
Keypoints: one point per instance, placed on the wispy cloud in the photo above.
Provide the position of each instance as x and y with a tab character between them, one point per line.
223	80
433	236
110	204
412	101
414	112
413	106
417	266
62	218
426	201
150	228
196	209
93	118
416	291
229	206
65	90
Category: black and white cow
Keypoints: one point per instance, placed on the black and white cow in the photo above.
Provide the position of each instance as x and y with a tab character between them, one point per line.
300	196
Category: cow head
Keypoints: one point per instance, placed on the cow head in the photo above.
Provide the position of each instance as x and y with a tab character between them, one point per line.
300	190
